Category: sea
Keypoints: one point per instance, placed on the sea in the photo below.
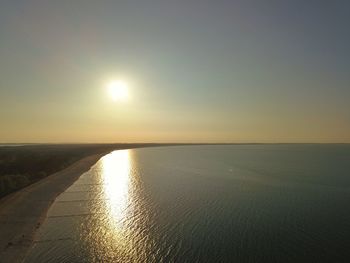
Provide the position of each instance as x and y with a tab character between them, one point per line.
209	203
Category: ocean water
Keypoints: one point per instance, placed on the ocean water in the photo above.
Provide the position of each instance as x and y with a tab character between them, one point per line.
239	203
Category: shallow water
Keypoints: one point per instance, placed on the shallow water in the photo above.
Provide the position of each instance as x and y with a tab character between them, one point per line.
242	203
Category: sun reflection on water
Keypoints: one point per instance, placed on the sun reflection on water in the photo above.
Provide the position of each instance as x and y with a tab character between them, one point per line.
120	230
116	179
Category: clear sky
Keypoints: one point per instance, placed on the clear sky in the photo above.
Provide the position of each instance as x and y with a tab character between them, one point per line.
224	70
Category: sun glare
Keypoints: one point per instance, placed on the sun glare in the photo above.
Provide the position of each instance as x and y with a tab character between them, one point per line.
118	90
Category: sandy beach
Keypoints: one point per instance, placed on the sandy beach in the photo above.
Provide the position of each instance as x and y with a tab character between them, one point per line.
22	212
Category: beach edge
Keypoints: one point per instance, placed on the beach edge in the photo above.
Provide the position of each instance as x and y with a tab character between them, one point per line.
22	212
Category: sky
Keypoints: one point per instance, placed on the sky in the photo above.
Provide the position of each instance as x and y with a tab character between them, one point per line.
197	71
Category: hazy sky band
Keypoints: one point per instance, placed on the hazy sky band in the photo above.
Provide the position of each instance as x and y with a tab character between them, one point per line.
237	71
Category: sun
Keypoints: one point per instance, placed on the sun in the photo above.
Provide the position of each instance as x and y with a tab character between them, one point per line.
118	90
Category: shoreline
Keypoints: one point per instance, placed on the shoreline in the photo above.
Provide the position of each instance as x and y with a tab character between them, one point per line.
22	212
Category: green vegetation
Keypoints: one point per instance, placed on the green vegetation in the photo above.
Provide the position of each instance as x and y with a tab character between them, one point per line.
24	165
9	183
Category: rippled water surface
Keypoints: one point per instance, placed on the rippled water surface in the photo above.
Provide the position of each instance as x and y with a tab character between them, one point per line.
243	203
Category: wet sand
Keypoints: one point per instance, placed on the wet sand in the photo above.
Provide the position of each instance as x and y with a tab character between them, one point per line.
22	212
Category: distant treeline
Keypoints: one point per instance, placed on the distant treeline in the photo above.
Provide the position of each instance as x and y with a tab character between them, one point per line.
24	165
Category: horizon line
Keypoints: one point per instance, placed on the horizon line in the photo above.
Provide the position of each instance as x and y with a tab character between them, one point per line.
162	143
